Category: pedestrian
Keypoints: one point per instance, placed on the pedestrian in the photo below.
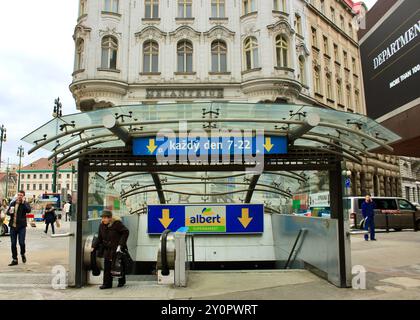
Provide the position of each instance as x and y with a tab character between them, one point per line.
112	237
66	209
3	210
17	211
368	212
50	217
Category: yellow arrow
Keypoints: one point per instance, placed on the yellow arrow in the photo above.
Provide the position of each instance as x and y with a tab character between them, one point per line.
245	220
268	145
166	219
152	146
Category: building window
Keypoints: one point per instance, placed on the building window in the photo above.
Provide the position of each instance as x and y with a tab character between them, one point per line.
47	176
314	38
67	186
249	6
111	6
68	176
109	53
40	187
354	65
336	55
29	176
329	87
21	187
339	93
302	70
351	30
251	53
34	176
345	58
218	56
348	96
322	6
47	186
298	24
58	186
185	8
34	187
28	187
59	176
357	100
41	176
332	14
282	50
326	46
185	56
218	8
280	5
150	57
317	80
78	64
82	7
151	9
342	23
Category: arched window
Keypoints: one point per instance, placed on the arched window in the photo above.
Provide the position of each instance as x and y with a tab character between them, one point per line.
317	80
80	47
339	93
111	6
302	70
109	52
329	86
218	56
150	57
151	9
185	56
251	53
282	50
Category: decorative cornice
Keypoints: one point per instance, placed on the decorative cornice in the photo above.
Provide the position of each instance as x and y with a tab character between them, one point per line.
185	32
150	32
81	31
282	27
302	49
219	32
110	32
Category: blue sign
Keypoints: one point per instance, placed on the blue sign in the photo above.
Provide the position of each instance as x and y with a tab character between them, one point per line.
152	146
207	219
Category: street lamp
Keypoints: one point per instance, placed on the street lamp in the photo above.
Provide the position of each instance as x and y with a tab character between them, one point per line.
57	113
2	139
20	154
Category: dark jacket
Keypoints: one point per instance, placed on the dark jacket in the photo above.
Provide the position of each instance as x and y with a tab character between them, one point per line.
111	236
23	210
368	209
50	216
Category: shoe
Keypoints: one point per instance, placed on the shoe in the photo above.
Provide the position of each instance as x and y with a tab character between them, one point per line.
23	258
372	239
13	263
45	232
103	287
121	284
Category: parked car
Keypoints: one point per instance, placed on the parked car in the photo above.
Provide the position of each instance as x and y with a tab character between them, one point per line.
401	214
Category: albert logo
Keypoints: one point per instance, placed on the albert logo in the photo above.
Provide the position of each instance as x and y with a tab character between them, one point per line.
206	220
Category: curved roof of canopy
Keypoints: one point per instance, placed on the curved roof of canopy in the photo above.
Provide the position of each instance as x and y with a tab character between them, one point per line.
71	135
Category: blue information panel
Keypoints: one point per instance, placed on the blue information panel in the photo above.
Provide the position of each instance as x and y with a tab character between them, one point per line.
207	219
151	146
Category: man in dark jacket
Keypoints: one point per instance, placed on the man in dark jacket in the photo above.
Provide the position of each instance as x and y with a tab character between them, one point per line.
368	212
17	211
112	237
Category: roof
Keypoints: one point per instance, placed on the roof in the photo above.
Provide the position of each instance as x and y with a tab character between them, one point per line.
45	164
355	6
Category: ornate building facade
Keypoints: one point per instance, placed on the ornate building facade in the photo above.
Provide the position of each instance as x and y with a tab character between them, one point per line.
177	51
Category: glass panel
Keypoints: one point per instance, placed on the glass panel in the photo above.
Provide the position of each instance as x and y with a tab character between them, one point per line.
189	62
214	10
113	62
189	11
156	10
115	6
148	11
104	59
255	57
223	63
146	63
181	67
215	63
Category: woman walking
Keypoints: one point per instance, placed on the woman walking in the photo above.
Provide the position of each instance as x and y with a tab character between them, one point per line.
50	217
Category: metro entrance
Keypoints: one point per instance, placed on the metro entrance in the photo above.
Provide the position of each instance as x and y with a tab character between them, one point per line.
112	145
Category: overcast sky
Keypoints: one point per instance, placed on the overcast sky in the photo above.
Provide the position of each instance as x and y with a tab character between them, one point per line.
36	63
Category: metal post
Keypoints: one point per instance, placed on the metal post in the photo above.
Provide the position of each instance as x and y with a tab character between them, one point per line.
57	113
82	199
2	139
337	212
20	154
387	221
6	196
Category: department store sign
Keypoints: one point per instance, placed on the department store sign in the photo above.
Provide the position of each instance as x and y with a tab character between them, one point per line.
184	93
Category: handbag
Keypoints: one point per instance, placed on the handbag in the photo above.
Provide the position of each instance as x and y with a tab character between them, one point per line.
362	224
57	223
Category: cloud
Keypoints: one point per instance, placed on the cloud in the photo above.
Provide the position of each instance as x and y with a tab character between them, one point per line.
36	62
